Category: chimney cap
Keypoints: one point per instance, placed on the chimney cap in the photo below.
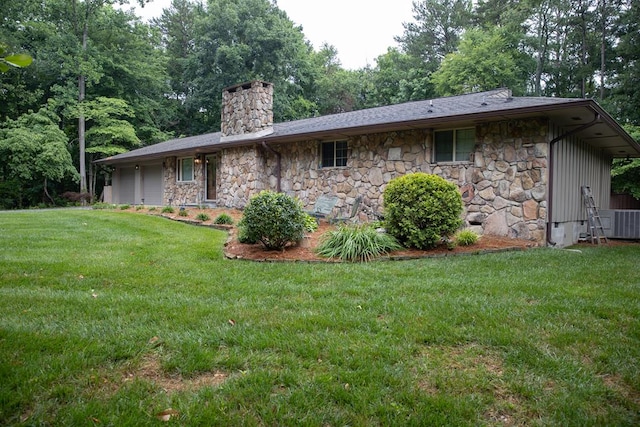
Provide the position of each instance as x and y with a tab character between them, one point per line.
247	85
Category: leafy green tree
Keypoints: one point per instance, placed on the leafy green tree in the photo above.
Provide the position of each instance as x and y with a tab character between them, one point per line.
436	29
485	60
398	77
109	132
35	152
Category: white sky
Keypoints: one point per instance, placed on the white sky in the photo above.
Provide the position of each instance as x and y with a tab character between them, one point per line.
360	30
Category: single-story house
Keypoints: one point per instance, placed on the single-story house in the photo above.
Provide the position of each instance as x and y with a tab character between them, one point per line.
520	162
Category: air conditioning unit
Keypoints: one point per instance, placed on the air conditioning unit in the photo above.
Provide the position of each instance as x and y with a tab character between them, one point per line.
621	224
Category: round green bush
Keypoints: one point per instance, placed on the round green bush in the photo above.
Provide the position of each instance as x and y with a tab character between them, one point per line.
274	219
422	209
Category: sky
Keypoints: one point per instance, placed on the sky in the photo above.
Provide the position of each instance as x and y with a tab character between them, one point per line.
361	30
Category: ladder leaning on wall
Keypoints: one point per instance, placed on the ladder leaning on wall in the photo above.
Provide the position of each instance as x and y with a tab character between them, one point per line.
596	230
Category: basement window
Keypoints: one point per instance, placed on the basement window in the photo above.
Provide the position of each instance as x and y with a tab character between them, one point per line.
185	169
454	145
334	154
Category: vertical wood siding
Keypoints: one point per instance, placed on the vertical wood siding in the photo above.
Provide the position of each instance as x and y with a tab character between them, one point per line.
576	164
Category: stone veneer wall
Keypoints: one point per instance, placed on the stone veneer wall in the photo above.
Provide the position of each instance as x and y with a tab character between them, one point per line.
504	187
247	108
241	175
178	193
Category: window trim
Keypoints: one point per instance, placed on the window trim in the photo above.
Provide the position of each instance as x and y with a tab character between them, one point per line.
335	157
453	149
179	167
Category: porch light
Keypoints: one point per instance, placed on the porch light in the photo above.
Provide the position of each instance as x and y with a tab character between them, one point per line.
197	160
137	167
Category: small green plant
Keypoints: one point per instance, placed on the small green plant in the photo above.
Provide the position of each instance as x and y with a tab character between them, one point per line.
124	207
466	237
274	219
356	243
203	217
168	209
310	223
422	209
152	209
101	205
223	218
183	212
139	207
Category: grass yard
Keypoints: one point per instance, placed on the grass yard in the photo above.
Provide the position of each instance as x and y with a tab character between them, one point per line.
112	318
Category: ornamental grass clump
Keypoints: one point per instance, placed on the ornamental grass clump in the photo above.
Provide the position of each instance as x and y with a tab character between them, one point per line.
274	219
202	216
466	238
356	243
422	209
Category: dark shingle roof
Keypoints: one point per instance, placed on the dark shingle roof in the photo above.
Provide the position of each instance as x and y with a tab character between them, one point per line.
419	114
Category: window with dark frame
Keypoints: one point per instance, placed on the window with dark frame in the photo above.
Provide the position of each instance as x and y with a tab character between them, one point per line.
454	145
334	154
185	169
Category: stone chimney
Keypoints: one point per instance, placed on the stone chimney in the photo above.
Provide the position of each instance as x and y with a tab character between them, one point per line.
247	111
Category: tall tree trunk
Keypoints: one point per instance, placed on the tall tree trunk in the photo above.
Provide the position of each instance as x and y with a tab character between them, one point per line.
603	41
81	121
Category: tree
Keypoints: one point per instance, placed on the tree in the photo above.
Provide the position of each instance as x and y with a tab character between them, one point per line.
34	150
109	133
9	60
485	60
436	30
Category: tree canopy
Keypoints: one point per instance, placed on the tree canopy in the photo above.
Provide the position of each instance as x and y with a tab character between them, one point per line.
110	82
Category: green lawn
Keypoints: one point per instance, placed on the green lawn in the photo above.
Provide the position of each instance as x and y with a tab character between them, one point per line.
109	318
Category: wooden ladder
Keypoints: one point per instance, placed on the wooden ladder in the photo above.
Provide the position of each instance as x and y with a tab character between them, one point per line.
596	230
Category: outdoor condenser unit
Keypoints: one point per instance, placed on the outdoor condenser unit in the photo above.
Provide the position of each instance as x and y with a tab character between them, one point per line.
621	223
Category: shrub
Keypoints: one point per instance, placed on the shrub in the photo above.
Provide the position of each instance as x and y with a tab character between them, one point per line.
183	212
223	218
466	237
421	209
101	205
356	243
203	217
168	209
274	219
243	237
310	223
124	207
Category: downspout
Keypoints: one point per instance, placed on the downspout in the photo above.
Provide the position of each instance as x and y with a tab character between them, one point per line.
278	165
596	120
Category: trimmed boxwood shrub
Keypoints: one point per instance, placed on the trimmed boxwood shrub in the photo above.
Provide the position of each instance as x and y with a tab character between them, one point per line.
274	219
421	209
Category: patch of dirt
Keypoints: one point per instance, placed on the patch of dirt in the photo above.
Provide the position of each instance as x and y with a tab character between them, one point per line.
150	370
305	250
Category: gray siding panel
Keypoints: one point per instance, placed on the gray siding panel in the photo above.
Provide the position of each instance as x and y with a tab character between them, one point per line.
578	164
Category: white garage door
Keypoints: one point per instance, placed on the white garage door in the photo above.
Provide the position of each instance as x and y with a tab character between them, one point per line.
152	185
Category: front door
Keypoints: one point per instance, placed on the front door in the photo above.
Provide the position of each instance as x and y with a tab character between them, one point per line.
211	177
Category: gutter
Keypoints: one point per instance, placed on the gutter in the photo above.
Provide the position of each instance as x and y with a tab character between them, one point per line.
596	119
278	165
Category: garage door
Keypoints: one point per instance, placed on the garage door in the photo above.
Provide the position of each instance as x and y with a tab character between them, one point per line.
152	185
126	186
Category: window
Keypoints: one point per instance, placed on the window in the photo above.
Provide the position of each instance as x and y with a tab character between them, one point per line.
334	154
185	169
454	145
